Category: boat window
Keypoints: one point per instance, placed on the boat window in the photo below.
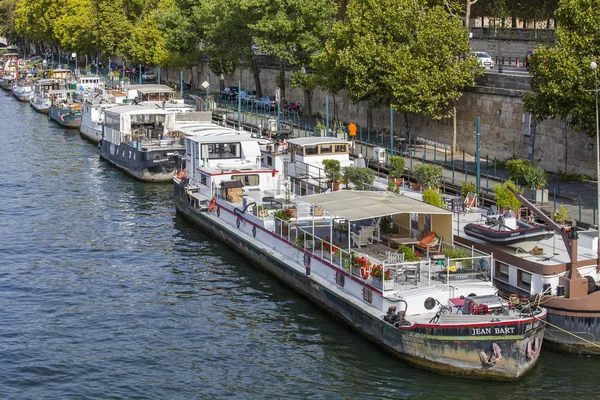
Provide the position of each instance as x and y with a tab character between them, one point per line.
269	161
223	150
340	278
298	150
502	271
341	148
311	150
247	180
524	280
367	295
326	149
188	146
204	179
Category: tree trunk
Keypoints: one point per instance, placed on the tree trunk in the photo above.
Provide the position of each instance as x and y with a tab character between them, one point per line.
256	73
308	102
221	79
566	137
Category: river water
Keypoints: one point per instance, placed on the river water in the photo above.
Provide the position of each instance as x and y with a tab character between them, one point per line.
106	293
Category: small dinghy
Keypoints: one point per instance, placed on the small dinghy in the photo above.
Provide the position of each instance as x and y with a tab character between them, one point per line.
508	231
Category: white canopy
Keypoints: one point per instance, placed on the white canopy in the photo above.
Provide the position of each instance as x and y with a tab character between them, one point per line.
355	205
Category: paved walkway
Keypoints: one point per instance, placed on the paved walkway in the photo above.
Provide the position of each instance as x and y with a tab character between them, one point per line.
578	197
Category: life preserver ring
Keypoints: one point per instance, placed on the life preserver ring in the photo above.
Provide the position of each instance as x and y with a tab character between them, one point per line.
182	174
212	204
101	85
254	231
62	117
364	272
238	222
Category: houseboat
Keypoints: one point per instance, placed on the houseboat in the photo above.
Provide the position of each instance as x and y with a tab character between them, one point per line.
9	70
23	85
562	271
142	140
96	102
44	92
64	110
328	247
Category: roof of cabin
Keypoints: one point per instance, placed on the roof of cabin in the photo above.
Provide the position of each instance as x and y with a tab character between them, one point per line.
222	139
355	205
138	109
146	89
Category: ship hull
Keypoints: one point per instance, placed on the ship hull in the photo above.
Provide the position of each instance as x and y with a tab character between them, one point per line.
146	165
451	350
65	117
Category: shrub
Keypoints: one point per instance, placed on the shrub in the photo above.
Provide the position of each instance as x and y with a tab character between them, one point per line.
534	177
332	170
468	187
431	196
560	215
516	168
428	175
359	177
505	199
396	166
409	253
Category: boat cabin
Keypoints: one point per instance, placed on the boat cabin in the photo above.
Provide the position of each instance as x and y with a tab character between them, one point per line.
89	82
137	125
150	93
59	73
214	161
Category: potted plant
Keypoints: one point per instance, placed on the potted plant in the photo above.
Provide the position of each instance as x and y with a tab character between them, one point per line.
431	196
320	129
381	280
397	169
409	253
515	168
468	187
360	177
262	211
505	199
282	215
560	215
535	178
392	187
333	172
428	175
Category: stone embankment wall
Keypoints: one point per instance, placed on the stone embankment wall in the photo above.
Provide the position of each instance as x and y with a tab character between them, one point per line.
497	99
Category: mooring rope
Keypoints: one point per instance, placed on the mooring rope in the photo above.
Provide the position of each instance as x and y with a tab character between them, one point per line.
572	334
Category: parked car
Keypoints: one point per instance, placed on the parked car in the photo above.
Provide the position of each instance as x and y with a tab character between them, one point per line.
266	102
148	76
229	93
484	59
247	96
528	58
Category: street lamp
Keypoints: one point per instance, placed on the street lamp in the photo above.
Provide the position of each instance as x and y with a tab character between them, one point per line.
594	66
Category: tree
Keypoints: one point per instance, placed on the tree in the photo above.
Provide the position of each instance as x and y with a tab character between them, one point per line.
8	15
562	81
401	53
293	31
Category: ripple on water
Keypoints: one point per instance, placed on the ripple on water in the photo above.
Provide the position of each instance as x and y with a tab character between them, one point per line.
108	294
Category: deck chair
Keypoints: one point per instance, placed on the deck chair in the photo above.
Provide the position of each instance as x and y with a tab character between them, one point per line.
429	244
470	201
364	237
393	257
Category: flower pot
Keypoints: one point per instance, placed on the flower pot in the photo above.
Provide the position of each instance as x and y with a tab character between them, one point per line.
383	285
415	186
263	213
399	181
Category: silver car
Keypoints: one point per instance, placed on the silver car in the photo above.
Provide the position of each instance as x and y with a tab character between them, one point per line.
484	59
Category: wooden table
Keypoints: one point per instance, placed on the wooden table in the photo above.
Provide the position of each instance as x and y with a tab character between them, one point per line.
398	241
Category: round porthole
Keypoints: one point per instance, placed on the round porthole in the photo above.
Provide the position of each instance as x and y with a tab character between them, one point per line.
429	303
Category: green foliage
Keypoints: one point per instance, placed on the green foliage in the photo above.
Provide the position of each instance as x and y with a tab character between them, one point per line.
505	199
428	175
396	166
392	187
333	170
399	53
361	178
515	168
409	253
560	215
458	254
468	187
431	196
534	177
562	81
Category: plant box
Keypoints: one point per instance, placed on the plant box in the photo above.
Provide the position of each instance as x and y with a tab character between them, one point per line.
263	213
384	285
